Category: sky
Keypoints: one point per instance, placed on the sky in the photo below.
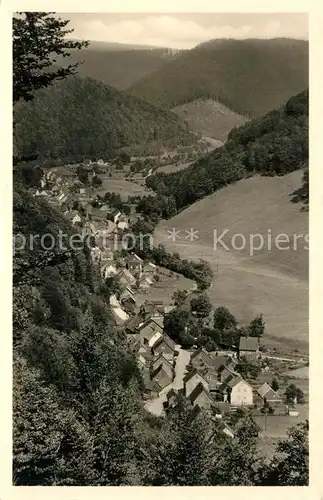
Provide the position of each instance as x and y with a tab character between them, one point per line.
184	31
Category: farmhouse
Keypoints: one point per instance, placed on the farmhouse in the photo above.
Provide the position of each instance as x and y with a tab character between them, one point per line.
200	397
249	348
165	346
201	358
149	329
161	360
126	278
192	380
240	392
268	395
161	378
135	264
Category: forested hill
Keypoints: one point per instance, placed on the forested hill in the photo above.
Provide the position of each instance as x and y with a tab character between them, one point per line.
275	144
250	76
76	384
119	65
79	118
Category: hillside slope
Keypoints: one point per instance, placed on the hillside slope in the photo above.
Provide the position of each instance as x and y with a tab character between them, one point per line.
272	281
209	118
274	144
79	118
250	76
119	65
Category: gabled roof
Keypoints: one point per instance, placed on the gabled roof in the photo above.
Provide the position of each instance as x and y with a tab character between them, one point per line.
159	372
219	361
199	389
134	257
162	360
265	391
167	340
206	358
191	374
235	381
249	344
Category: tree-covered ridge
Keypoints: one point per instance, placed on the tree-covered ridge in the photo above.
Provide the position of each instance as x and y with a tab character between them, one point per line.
275	144
79	118
249	76
119	65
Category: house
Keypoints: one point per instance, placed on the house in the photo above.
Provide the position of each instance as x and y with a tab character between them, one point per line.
145	283
132	326
149	329
225	374
126	278
268	395
149	310
115	214
108	270
150	268
201	358
75	217
200	397
135	265
128	299
192	380
144	359
154	339
240	392
249	348
161	360
161	378
122	222
166	346
211	376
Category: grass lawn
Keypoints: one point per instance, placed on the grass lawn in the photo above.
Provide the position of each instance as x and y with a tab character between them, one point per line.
122	187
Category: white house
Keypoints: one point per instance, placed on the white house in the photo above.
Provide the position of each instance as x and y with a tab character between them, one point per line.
241	392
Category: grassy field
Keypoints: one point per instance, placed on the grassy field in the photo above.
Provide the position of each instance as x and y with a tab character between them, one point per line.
167	169
274	282
122	187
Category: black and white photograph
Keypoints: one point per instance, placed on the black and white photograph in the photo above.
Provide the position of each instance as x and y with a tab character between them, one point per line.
160	249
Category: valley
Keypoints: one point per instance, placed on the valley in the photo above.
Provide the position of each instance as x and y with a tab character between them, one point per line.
160	251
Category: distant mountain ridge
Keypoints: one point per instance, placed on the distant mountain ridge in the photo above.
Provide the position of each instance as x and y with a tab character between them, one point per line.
119	65
82	117
251	76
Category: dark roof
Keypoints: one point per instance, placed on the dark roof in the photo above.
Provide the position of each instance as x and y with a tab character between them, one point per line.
249	344
190	374
219	361
197	391
161	358
206	358
165	338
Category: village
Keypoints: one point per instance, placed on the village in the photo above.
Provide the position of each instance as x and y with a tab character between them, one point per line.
208	380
